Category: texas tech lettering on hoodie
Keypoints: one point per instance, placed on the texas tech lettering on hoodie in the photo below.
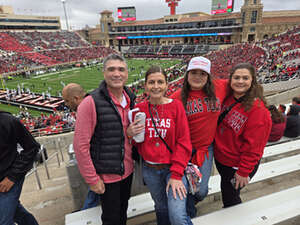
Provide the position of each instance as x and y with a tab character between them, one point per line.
242	136
171	123
236	120
161	126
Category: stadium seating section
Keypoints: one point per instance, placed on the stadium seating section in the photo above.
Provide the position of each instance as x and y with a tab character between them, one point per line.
149	51
276	58
26	50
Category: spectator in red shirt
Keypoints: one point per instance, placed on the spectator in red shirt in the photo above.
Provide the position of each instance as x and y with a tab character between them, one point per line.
202	98
243	131
278	124
164	161
102	148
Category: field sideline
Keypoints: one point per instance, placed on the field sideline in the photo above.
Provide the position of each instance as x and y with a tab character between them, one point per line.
89	78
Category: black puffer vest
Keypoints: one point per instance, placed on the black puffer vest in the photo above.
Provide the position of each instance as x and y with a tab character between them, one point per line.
107	143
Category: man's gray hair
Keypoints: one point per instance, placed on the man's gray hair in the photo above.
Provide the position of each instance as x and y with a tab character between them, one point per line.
113	57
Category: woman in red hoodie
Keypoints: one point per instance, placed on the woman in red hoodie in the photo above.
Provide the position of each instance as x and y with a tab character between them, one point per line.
243	131
163	166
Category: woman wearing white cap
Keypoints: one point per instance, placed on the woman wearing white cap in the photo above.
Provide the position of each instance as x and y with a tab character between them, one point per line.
202	98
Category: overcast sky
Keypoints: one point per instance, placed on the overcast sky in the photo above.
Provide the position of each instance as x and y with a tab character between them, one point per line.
86	12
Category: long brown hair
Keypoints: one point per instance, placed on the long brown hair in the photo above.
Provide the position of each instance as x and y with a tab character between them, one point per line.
208	89
255	91
277	117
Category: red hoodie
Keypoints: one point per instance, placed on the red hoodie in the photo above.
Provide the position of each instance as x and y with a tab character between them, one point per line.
242	136
173	127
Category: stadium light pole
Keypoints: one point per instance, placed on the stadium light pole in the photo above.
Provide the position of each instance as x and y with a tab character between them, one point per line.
66	17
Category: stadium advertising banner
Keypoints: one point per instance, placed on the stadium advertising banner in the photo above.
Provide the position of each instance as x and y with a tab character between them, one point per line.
126	14
221	6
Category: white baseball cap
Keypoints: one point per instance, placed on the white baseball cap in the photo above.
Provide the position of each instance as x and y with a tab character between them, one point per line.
200	63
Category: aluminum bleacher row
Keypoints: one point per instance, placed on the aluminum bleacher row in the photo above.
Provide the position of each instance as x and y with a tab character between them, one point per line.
264	210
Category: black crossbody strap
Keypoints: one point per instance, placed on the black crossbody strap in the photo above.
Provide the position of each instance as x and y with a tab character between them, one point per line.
226	111
168	147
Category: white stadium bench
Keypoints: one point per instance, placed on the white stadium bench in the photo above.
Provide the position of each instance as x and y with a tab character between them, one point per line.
265	171
85	217
281	148
141	204
270	209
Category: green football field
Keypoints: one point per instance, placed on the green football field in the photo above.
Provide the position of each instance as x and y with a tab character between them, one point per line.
89	78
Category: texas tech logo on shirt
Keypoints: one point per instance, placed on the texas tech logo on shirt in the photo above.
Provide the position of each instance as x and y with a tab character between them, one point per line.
236	120
202	105
162	126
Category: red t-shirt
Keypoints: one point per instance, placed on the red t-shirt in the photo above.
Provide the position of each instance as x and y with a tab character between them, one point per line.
203	117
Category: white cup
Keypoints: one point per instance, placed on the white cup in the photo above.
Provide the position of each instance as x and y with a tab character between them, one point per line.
141	136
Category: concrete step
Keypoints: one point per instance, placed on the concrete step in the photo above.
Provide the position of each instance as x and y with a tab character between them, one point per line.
50	204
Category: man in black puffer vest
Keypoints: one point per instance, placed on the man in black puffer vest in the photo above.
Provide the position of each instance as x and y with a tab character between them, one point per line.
102	148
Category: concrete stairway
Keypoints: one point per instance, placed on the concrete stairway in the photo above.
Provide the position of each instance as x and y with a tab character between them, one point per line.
50	204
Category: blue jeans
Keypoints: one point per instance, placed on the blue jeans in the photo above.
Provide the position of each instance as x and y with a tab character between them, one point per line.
205	169
92	200
11	208
168	210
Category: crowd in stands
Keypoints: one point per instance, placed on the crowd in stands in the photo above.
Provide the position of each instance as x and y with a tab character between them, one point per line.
77	54
282	51
9	43
223	60
49	40
57	122
285	124
278	57
28	50
14	62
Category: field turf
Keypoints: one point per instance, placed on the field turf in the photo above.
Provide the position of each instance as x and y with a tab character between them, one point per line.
88	77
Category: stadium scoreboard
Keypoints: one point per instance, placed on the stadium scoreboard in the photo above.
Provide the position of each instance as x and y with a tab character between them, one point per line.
126	14
221	6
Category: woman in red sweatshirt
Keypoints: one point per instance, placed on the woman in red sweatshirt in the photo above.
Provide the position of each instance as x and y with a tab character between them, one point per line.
278	124
163	167
202	97
242	133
